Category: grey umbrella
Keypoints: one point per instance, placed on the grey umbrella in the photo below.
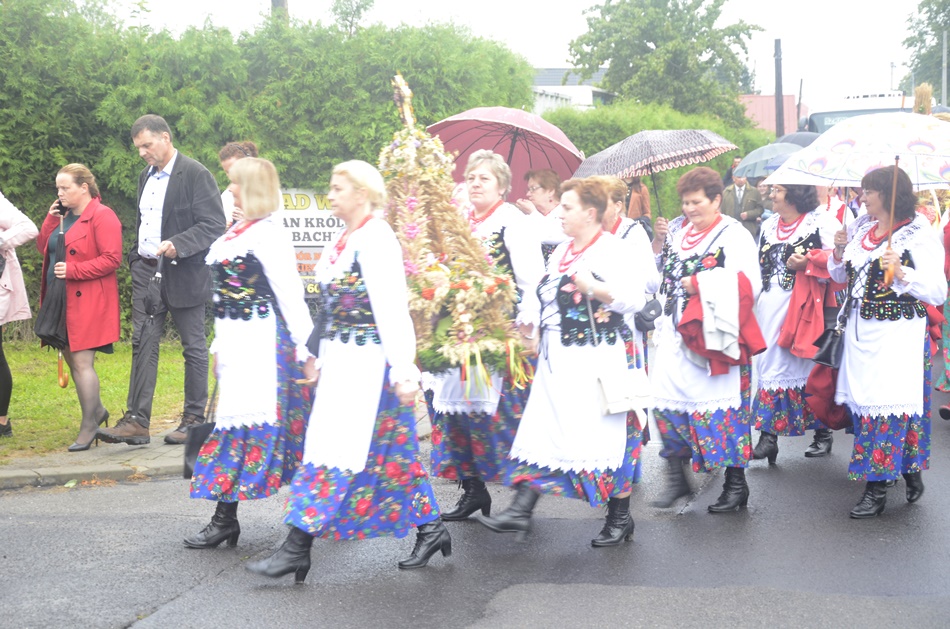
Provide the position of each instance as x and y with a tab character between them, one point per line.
755	164
650	152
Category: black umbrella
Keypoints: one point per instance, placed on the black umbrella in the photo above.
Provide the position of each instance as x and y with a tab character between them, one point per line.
653	151
50	323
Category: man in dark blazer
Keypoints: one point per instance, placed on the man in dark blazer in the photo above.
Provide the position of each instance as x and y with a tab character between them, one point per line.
179	216
743	203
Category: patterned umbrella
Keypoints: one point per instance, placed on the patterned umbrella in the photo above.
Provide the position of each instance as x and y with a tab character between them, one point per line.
525	140
756	163
650	152
852	148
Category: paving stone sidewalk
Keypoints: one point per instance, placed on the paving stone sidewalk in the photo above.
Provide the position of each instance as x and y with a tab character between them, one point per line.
115	462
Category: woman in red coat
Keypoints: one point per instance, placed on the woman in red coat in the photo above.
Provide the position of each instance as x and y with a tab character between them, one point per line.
93	251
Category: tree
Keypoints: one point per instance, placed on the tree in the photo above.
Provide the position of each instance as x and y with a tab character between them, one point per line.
667	51
348	13
926	44
279	9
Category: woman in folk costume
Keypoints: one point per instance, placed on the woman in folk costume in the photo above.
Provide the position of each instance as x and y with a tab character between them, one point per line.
566	446
884	379
701	404
794	246
635	236
360	477
473	421
261	325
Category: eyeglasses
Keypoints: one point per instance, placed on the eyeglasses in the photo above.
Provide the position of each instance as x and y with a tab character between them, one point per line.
532	189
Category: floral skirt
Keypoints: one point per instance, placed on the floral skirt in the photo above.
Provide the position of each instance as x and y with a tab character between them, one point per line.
712	439
887	446
388	497
476	445
596	486
943	383
783	412
249	462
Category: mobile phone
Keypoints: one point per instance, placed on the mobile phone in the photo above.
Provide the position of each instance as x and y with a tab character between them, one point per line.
61	208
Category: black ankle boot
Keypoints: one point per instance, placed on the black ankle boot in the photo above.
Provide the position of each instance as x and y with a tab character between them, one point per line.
872	502
676	484
475	498
767	447
735	492
292	556
915	486
619	525
431	538
517	517
224	526
821	446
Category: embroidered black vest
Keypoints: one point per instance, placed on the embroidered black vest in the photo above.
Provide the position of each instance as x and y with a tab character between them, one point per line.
881	302
675	269
495	243
774	256
346	308
241	289
575	324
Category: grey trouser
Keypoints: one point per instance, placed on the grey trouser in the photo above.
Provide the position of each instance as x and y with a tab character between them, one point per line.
146	334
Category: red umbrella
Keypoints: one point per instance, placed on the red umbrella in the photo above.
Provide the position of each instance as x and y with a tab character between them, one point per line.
525	140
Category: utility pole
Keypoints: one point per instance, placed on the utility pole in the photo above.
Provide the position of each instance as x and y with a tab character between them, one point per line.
779	100
278	8
943	74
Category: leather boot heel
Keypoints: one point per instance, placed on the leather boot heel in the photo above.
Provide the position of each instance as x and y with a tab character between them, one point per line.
474	498
676	484
517	517
766	448
735	492
292	556
618	527
432	537
224	525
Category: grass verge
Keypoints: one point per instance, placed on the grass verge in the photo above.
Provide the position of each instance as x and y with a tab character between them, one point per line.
46	417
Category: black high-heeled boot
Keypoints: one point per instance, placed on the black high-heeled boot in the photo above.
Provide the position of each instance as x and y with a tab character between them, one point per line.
676	484
915	486
872	502
821	446
767	447
618	526
292	556
431	538
517	517
224	526
476	497
735	492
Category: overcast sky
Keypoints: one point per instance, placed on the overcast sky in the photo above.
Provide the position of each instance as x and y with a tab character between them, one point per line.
837	47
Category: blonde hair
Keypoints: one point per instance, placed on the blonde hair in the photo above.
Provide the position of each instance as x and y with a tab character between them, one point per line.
495	164
81	175
616	188
259	186
363	176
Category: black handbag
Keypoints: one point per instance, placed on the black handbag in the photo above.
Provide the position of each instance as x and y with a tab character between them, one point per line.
645	320
197	435
830	347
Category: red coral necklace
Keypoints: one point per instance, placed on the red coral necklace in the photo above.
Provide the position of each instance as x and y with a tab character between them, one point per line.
345	238
476	221
570	257
870	242
785	230
691	238
239	229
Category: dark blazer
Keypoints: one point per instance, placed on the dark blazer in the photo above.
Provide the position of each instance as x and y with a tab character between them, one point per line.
192	218
751	204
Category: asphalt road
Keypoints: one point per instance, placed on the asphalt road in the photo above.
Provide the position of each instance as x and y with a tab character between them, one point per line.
111	556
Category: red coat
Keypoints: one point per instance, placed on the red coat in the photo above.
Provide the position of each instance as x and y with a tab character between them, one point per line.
805	319
751	341
93	253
